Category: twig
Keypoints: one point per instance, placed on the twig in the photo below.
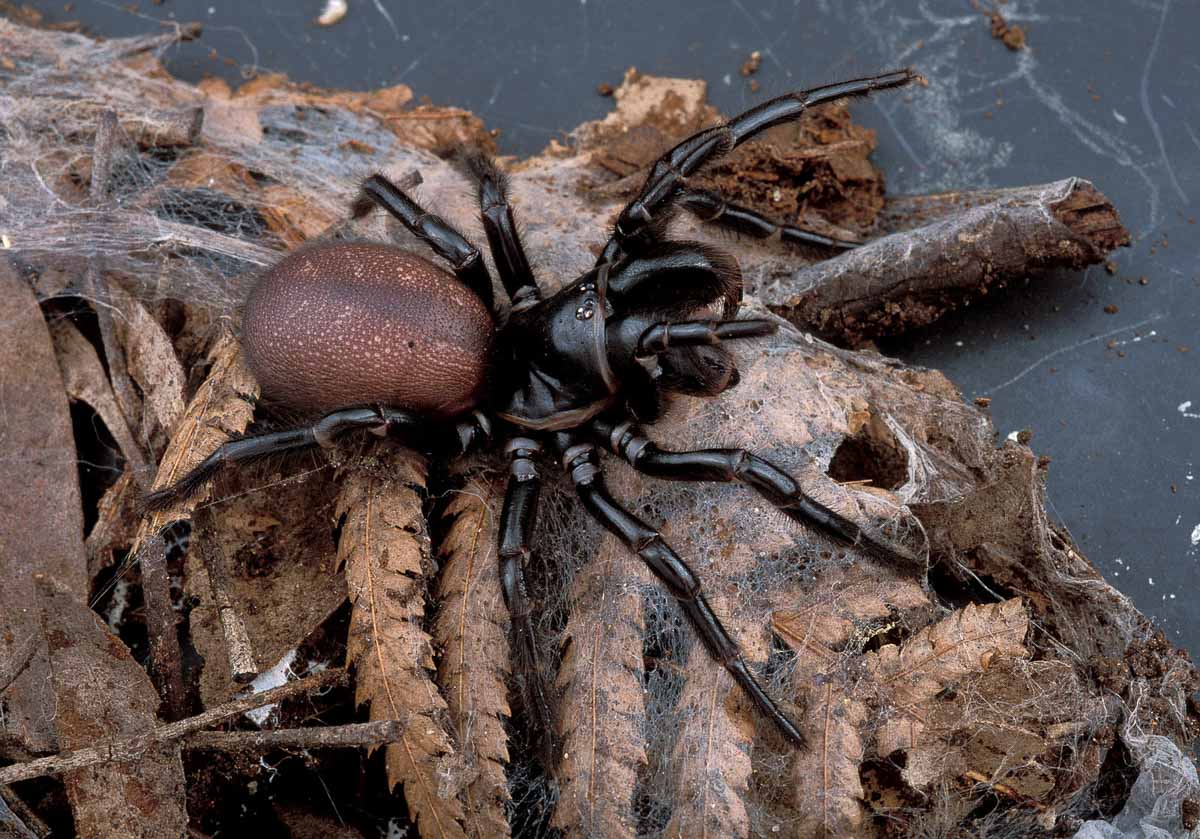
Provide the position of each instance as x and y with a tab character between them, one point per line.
132	748
166	660
103	150
946	250
242	665
313	737
17	820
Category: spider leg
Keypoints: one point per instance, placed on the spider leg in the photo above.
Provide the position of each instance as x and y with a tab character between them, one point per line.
626	440
711	208
517	520
581	461
431	229
470	433
501	227
662	337
669	174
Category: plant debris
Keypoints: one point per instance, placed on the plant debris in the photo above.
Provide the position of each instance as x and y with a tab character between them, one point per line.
995	681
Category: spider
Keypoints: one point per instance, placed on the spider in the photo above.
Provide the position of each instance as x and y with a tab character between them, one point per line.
369	336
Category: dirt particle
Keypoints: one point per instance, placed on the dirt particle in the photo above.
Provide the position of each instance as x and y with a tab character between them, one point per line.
983	401
1111	309
754	85
1110	266
750	65
1189	812
604	89
1012	36
1143	280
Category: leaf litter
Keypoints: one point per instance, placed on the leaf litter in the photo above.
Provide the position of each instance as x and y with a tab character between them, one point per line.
887	669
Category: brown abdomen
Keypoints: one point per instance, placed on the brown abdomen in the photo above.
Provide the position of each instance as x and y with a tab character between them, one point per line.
358	323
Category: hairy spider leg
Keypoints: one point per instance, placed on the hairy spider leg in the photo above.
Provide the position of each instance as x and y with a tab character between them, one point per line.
670	172
677	277
501	227
518	517
581	461
711	208
470	433
433	230
625	439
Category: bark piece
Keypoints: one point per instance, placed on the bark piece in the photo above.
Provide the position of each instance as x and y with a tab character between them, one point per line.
41	519
166	660
385	551
471	632
949	249
100	693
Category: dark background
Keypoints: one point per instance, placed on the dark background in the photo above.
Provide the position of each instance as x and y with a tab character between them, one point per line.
1106	90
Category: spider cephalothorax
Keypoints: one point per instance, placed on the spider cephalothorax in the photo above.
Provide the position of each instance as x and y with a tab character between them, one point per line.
372	337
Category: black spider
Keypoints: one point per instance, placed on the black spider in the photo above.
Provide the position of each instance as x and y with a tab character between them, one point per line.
334	326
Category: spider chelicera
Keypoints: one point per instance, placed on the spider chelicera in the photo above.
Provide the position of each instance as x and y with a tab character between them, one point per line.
373	337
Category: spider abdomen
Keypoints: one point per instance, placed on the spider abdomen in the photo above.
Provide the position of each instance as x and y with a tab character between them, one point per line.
359	323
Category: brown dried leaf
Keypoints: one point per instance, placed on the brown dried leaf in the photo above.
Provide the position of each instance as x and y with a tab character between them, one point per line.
909	678
100	692
848	606
151	360
41	518
384	549
279	568
602	700
472	633
222	407
828	789
86	381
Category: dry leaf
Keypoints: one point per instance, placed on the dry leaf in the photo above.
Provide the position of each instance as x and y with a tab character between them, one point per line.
41	519
909	678
602	699
279	566
100	692
841	613
222	407
87	382
151	361
385	551
472	633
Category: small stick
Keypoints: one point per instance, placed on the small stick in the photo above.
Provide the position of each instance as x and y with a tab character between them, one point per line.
313	737
103	150
242	665
132	748
166	660
17	820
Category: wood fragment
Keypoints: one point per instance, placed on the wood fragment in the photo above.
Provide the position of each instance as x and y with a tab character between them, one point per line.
132	748
96	284
385	552
242	665
351	736
16	818
947	250
166	660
